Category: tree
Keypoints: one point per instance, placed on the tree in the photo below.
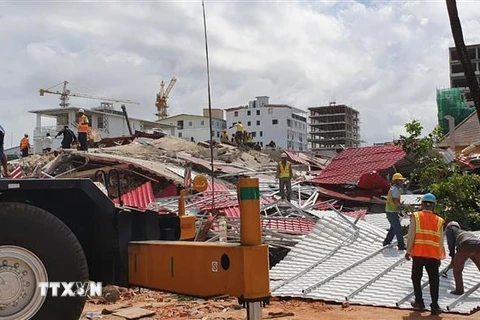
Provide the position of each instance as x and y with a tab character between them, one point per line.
462	51
458	192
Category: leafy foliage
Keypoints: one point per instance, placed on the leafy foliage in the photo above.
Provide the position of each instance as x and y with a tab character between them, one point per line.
459	199
458	192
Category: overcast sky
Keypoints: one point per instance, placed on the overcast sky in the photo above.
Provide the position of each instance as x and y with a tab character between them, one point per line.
384	58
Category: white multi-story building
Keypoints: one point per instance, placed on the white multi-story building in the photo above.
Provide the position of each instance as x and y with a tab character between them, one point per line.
283	124
190	126
105	121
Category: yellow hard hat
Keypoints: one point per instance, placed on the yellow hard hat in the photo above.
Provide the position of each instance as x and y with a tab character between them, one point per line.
397	176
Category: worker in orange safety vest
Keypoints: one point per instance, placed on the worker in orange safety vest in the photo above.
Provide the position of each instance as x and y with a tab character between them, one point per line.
83	127
425	246
284	176
24	145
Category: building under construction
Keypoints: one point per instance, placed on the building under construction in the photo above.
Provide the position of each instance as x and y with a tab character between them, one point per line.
333	127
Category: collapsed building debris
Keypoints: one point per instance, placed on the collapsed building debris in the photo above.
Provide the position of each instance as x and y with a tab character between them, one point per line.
344	260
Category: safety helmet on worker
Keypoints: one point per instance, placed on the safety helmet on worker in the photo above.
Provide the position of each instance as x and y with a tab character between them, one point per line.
284	155
81	111
397	177
453	224
429	197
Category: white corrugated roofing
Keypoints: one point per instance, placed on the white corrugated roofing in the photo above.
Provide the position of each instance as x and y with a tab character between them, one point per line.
380	220
340	261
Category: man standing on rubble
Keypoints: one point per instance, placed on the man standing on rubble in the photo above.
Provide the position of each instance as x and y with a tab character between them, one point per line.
239	132
3	157
425	246
83	130
68	137
284	176
467	246
24	145
392	208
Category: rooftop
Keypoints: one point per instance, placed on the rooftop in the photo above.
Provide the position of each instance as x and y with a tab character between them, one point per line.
349	165
466	132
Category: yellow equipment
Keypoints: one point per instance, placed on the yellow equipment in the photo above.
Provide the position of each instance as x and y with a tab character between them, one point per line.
206	269
161	101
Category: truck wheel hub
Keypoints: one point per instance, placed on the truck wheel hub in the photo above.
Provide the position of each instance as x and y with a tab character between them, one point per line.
20	272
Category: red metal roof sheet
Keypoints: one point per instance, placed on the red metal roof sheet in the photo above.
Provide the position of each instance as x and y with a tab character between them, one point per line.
350	164
294	158
140	197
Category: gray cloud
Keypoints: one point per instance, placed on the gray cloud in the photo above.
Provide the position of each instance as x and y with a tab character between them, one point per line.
384	58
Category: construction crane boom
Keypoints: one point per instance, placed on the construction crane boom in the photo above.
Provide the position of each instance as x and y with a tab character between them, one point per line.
161	102
65	95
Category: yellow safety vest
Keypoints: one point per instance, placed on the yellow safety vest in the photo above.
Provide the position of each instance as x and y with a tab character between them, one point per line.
83	124
240	127
284	171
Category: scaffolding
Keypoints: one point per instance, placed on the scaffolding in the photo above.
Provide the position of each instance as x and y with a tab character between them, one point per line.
451	102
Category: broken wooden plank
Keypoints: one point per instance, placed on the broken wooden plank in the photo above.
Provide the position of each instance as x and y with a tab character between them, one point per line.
134	313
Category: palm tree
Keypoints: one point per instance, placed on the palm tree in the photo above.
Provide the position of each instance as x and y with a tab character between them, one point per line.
463	54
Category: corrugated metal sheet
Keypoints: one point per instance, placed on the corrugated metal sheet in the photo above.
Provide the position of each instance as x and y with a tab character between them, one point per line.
380	220
140	197
350	164
336	262
294	158
411	199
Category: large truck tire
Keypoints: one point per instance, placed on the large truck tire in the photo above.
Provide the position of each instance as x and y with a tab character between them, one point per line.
35	246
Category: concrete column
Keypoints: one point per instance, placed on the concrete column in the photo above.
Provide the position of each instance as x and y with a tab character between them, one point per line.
451	131
39	121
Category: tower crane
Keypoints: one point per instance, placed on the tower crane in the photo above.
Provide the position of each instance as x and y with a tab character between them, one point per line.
65	95
161	102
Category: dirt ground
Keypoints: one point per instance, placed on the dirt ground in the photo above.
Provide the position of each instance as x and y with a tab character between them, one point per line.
170	306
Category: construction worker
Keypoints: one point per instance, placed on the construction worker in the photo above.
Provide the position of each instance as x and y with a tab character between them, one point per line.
24	145
224	136
467	246
239	132
83	130
425	247
48	143
284	176
3	157
68	137
392	208
249	140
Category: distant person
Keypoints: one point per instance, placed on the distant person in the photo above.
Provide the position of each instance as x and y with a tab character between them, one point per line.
48	143
271	144
3	157
284	176
224	136
257	147
24	145
467	246
83	127
192	139
392	208
239	132
425	247
68	137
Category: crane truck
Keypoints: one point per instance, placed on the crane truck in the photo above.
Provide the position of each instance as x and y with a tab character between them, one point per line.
70	231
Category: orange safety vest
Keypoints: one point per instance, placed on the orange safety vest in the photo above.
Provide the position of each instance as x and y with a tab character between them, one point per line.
24	143
284	171
83	124
428	227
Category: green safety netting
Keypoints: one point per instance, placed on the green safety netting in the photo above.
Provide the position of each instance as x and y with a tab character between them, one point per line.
450	102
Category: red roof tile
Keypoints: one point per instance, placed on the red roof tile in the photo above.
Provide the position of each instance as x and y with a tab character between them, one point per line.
348	166
140	197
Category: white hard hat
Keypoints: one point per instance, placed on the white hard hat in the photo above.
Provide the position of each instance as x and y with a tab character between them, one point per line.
284	155
81	111
452	224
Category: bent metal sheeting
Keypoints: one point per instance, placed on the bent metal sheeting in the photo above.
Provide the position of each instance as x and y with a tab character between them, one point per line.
349	165
341	261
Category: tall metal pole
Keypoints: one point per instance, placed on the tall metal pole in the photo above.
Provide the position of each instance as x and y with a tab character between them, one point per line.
209	103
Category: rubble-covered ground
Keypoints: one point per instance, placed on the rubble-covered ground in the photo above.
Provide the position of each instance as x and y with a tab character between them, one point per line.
146	304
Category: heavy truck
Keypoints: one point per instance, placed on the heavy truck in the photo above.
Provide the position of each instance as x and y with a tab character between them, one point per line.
69	230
